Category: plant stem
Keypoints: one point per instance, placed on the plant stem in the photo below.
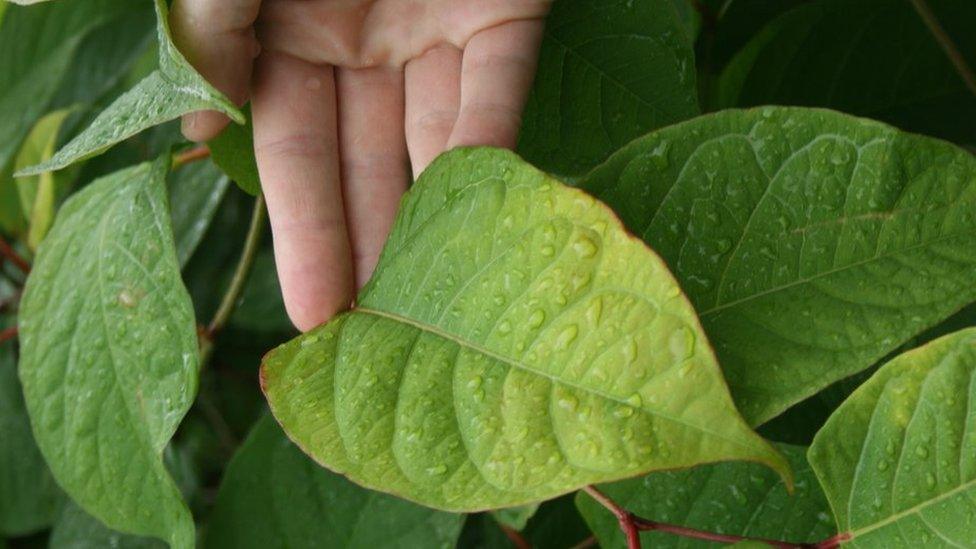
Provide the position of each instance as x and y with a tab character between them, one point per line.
233	294
515	537
7	251
8	334
624	517
948	46
632	525
191	155
586	543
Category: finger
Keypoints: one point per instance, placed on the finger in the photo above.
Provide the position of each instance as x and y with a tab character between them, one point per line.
217	37
433	96
496	75
294	107
373	154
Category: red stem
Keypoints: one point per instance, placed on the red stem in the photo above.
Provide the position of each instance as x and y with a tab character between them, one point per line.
632	525
8	252
515	537
9	333
192	155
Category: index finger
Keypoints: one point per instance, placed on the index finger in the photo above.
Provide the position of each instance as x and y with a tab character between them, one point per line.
217	38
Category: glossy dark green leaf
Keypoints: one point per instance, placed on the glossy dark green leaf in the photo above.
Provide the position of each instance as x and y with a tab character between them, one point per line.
173	90
811	243
872	58
274	496
609	71
109	353
195	192
538	349
897	460
29	498
731	498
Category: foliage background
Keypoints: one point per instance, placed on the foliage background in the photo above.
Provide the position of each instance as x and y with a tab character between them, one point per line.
610	72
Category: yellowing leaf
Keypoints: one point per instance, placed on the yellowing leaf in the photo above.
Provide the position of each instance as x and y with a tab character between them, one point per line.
514	344
38	192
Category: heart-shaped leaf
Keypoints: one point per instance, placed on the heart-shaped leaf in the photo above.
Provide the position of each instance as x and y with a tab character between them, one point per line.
740	499
109	358
515	343
273	495
897	460
168	93
811	243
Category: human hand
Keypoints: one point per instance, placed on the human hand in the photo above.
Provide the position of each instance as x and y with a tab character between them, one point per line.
347	96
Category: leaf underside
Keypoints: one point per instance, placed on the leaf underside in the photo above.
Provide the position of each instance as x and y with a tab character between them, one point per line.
811	243
514	344
109	353
898	459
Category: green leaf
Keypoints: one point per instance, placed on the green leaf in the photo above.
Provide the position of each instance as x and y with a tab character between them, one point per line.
515	517
76	529
811	243
738	499
38	193
557	525
109	357
873	58
897	460
195	192
275	496
36	48
233	151
168	93
514	344
609	71
29	498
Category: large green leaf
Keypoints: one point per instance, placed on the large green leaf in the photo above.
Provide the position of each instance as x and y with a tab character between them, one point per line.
514	344
811	243
898	459
739	499
29	498
168	93
275	496
872	57
109	353
609	71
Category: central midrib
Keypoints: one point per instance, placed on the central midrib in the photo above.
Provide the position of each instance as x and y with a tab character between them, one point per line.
524	367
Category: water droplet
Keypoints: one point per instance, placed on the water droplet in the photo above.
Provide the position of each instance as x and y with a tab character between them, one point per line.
547	251
682	344
505	327
623	411
437	469
566	336
921	451
568	402
594	310
537	317
585	247
635	400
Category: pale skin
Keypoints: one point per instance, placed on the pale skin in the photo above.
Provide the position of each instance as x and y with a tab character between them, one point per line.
349	96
